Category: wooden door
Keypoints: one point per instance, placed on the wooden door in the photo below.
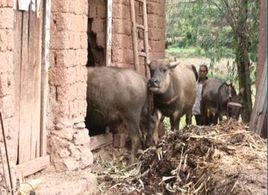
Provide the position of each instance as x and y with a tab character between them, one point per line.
28	75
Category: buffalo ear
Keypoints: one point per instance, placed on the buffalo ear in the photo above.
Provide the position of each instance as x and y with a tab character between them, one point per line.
173	65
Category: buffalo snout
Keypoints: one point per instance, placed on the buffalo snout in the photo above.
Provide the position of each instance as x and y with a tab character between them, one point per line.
153	82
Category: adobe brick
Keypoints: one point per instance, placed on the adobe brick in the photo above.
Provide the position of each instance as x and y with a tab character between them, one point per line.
81	74
6	61
122	26
122	41
56	76
83	41
81	57
64	58
62	6
69	22
121	12
7	18
6	3
65	40
7	106
66	92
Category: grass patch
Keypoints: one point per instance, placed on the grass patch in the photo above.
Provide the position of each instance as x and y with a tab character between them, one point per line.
186	52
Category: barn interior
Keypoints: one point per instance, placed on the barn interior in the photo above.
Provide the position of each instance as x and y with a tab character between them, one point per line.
96	34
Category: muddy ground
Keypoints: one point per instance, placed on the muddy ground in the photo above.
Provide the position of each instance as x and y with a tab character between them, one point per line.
221	159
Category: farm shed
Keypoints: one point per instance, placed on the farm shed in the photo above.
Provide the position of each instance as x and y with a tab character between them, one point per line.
45	46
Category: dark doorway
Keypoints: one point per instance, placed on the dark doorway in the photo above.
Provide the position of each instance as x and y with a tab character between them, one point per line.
96	32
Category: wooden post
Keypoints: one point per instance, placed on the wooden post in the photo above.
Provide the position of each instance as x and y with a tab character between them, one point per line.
45	66
146	37
134	36
109	32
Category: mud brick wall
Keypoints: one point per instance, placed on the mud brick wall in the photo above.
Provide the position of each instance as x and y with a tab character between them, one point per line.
7	85
122	52
68	138
7	82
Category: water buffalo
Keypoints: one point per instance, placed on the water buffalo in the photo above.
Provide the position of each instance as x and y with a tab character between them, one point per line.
173	87
116	95
218	99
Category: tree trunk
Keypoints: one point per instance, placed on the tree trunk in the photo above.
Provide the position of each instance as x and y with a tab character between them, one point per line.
242	60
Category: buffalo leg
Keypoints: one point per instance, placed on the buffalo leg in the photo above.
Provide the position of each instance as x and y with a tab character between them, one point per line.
220	117
133	126
175	123
188	118
152	135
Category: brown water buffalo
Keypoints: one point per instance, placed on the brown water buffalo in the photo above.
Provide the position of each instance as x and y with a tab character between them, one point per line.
116	95
173	86
218	99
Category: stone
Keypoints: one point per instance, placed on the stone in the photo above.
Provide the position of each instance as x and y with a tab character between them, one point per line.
64	152
75	153
71	164
59	126
86	157
79	125
81	137
66	133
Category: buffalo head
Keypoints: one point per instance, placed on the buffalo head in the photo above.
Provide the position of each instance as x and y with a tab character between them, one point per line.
160	75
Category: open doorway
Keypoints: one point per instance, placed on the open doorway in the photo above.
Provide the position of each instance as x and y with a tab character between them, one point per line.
96	45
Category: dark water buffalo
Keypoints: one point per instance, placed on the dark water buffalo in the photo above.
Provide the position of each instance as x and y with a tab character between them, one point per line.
218	99
173	86
116	95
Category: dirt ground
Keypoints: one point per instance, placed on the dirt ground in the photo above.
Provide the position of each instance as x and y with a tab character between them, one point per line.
221	159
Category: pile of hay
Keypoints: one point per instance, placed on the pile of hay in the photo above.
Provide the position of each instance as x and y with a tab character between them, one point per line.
221	159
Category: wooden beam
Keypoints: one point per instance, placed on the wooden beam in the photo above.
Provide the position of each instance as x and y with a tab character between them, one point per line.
99	141
146	39
134	35
33	166
140	26
109	33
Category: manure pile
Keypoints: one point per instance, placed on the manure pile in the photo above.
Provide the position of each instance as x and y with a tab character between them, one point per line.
221	159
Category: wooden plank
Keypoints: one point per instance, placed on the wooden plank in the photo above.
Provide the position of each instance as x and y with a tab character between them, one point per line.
134	36
45	65
25	96
17	63
31	61
35	65
33	166
99	141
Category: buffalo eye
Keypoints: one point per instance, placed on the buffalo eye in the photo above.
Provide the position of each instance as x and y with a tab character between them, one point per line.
164	70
